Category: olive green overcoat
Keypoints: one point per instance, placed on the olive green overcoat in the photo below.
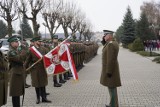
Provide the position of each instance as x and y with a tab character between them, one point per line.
3	79
17	81
110	65
38	73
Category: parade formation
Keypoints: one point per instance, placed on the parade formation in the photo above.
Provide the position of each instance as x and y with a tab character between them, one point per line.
22	61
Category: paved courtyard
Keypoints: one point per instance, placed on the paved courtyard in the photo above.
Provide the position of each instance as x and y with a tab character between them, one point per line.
140	85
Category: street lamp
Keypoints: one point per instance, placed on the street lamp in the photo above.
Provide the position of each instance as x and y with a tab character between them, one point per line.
45	29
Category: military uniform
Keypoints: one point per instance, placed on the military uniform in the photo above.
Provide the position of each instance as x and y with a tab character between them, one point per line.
3	79
55	77
38	73
24	46
16	57
110	76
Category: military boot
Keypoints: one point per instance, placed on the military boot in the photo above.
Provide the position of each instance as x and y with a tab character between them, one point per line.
61	80
56	84
66	76
38	95
43	95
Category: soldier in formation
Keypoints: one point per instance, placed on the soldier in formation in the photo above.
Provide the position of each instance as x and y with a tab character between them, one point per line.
16	58
3	79
38	73
20	58
25	45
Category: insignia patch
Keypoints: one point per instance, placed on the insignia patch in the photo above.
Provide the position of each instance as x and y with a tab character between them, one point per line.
111	42
12	53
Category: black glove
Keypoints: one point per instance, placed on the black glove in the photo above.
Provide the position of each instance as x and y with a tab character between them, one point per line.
109	75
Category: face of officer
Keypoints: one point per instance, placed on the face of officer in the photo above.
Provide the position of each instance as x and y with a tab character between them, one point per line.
55	40
32	43
14	44
108	37
37	43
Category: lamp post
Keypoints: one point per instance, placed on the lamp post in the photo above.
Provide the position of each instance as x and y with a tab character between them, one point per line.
45	29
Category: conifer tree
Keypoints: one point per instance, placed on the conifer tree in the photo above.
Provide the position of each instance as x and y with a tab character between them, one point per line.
143	30
128	28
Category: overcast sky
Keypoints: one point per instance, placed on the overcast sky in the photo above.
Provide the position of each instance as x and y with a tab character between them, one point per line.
105	14
109	14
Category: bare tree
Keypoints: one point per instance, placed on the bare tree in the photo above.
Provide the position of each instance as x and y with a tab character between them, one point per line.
35	7
75	24
66	16
8	12
152	11
50	15
88	31
81	29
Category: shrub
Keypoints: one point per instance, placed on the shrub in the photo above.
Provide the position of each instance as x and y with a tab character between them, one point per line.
157	59
147	53
137	45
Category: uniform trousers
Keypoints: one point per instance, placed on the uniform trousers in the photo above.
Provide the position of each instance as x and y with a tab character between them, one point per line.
113	97
16	101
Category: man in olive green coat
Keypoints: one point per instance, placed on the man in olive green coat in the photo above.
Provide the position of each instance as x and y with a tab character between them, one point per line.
38	73
16	58
55	77
3	79
110	76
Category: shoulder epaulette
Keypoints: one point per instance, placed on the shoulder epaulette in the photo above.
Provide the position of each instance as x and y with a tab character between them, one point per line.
12	53
111	42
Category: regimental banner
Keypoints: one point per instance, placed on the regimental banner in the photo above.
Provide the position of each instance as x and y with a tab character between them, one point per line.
60	60
36	52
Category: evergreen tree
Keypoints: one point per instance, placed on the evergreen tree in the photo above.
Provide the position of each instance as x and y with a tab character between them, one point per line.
26	30
3	29
119	34
128	28
142	28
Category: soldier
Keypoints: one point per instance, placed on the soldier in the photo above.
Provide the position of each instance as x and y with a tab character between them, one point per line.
31	43
16	57
38	73
25	45
55	79
3	79
65	75
110	76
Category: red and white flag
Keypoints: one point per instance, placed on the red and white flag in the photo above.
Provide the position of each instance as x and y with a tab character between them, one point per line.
36	52
59	60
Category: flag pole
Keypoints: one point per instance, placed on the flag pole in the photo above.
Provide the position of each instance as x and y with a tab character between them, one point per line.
59	44
33	64
42	58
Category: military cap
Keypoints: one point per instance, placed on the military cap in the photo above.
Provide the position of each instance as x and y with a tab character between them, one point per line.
13	39
54	36
60	39
19	37
107	32
31	40
37	38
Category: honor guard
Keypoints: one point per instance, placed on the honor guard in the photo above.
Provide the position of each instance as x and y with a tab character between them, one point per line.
3	79
16	58
38	73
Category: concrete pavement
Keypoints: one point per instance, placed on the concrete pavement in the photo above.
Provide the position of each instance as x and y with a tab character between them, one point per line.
140	85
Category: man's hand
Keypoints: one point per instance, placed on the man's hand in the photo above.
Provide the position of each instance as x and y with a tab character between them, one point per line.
109	75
